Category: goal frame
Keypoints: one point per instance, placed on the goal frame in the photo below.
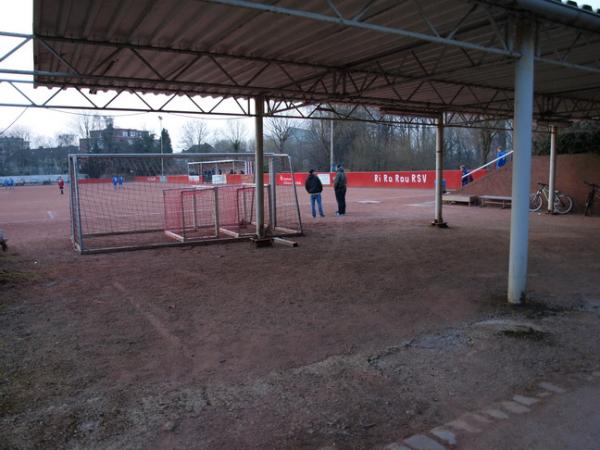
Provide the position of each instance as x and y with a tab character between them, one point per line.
79	235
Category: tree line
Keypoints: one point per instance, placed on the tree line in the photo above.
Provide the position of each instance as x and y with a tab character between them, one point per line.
359	146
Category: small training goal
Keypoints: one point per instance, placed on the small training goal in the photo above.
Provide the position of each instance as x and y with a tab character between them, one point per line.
131	201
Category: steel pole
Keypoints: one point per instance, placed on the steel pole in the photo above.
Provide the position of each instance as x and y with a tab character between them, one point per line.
521	176
331	156
439	173
258	168
552	173
272	194
162	162
78	201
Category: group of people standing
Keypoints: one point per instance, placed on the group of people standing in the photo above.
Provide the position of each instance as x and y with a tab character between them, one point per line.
118	181
314	187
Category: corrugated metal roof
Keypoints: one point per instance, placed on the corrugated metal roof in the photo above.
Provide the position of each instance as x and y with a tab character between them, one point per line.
199	47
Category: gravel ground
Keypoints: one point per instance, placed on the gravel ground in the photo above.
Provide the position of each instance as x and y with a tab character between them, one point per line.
368	332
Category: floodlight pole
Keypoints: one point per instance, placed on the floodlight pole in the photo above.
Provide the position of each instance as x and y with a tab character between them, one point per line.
439	173
521	176
258	168
331	156
162	163
552	172
272	194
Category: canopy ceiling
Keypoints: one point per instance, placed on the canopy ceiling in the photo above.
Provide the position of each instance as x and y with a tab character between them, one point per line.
422	56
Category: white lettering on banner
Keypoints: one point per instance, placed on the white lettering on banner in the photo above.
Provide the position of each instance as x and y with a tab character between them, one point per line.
397	178
285	179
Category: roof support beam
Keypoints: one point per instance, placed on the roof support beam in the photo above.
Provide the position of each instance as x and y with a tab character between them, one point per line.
505	49
377	78
353	23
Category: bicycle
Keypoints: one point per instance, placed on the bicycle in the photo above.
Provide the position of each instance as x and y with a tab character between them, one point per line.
589	201
563	204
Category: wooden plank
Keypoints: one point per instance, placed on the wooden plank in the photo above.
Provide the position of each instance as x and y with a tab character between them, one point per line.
175	236
455	198
286	242
504	201
495	197
229	232
285	230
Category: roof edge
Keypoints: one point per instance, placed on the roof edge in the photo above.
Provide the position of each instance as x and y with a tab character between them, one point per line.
557	11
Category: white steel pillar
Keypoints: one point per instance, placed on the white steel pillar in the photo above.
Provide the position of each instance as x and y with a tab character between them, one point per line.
552	173
521	176
439	173
259	169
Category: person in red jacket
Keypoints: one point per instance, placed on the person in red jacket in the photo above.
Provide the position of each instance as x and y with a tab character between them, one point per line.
61	185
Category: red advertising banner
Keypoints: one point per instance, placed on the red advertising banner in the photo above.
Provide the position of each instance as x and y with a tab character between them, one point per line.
416	179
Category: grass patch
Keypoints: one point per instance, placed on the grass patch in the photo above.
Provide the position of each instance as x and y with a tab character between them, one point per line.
11	277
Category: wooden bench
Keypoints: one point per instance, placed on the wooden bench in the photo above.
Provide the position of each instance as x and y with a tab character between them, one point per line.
458	198
501	200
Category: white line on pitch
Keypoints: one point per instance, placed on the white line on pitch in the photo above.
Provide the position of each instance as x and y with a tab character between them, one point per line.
421	204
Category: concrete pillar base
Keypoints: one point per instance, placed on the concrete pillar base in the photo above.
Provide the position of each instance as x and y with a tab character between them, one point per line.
439	224
262	242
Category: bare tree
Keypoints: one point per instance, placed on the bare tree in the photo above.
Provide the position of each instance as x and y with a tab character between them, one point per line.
235	133
65	139
21	133
280	130
485	137
194	133
83	124
42	141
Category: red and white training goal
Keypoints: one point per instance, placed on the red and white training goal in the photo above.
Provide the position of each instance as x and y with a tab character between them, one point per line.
211	211
126	202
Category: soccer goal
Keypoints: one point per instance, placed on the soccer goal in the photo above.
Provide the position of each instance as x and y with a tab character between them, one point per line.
136	201
217	171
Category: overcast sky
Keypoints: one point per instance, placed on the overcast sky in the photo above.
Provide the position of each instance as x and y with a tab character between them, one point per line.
17	17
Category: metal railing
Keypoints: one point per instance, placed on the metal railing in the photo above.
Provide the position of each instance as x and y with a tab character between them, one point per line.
487	164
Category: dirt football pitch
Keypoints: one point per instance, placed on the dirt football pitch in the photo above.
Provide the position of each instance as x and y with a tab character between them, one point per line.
364	334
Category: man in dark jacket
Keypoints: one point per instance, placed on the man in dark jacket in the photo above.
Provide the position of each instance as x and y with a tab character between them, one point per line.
339	186
314	187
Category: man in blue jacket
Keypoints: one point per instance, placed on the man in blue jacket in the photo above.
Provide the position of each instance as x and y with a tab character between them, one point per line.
339	186
314	187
